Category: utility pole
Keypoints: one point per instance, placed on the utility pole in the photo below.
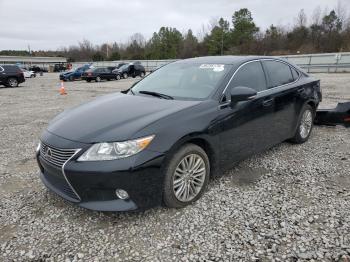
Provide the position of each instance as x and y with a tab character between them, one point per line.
30	54
222	41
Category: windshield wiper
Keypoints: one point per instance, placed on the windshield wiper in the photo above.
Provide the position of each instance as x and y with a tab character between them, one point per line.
151	93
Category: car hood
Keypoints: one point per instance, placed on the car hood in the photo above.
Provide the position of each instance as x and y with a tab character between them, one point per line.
67	73
115	117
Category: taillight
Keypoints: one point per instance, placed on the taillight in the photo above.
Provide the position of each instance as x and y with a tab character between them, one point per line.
90	74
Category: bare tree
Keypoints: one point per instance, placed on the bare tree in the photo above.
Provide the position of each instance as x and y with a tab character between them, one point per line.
316	16
301	19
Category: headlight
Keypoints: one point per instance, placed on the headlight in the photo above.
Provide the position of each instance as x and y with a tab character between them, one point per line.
116	150
38	147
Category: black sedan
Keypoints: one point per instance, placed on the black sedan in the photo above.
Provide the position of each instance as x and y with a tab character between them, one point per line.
164	138
98	74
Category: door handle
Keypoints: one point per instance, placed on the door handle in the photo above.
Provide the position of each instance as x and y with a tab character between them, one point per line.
267	102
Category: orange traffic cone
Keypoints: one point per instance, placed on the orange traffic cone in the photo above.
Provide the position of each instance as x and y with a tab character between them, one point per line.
62	89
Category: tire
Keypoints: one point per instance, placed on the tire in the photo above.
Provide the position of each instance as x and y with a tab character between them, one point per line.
174	196
117	77
71	78
305	125
98	79
88	80
12	82
142	74
125	75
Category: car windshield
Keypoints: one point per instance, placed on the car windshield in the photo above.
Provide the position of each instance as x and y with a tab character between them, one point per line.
123	67
184	80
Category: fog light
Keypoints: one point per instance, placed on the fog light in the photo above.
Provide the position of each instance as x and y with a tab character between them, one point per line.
122	194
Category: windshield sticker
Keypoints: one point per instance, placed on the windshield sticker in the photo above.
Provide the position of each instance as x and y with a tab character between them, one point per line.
215	67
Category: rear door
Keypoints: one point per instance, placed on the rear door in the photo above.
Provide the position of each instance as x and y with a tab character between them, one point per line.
284	92
104	73
2	74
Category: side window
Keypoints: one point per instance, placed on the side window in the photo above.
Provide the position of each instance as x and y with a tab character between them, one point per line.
294	73
279	73
250	75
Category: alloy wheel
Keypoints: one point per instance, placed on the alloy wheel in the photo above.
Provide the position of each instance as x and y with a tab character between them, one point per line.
305	124
189	177
12	82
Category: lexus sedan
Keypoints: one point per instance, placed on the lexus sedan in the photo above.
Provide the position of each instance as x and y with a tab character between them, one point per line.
161	141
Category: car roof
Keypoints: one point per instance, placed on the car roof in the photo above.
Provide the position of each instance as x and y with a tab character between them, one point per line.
229	60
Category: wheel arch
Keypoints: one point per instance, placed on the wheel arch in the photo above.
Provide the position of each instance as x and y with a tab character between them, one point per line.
204	143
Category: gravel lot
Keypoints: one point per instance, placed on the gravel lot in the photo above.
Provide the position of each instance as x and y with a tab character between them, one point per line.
290	203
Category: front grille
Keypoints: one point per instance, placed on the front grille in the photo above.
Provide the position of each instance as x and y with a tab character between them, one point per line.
58	180
54	155
60	184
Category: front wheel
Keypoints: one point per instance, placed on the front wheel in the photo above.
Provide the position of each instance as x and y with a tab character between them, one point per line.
305	125
117	77
98	79
186	176
142	75
12	82
125	75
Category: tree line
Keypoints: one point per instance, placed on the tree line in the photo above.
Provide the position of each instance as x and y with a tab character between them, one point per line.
323	32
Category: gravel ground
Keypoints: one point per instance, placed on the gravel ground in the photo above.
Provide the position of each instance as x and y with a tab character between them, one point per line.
290	203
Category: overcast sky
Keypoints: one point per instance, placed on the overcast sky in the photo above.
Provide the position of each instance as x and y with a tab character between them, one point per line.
50	24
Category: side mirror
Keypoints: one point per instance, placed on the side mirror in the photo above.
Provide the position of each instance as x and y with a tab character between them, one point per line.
242	93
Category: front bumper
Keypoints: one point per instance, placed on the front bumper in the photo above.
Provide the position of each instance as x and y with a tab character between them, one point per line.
88	77
92	185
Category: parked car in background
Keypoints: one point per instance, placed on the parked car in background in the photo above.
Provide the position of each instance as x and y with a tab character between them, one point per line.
62	67
37	69
163	139
98	74
28	74
132	70
74	74
11	75
117	72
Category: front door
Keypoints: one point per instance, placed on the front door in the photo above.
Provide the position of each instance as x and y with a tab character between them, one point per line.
246	126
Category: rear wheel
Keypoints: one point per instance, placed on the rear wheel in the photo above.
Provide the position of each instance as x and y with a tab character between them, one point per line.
186	176
98	79
12	82
71	78
117	77
305	125
142	75
88	80
125	75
